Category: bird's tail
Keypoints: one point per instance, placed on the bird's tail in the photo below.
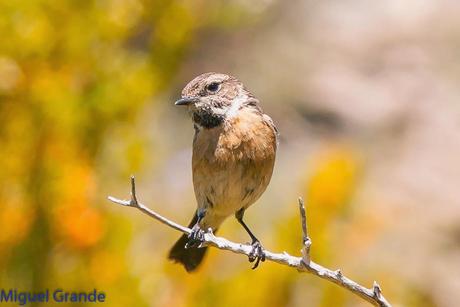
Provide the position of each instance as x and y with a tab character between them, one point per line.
191	257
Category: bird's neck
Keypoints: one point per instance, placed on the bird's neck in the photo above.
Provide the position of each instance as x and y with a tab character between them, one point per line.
208	119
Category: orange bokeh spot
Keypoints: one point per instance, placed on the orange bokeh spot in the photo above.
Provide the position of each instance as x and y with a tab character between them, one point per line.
15	222
82	226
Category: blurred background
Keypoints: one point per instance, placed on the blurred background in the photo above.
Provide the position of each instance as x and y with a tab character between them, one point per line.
364	93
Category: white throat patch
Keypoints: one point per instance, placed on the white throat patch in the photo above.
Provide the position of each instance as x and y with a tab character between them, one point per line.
236	105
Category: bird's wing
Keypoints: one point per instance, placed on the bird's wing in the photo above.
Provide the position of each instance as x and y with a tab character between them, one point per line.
270	123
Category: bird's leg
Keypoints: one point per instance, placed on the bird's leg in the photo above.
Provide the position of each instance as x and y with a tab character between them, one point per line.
196	237
257	253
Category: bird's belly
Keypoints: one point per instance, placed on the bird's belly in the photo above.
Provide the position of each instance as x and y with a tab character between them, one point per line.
225	190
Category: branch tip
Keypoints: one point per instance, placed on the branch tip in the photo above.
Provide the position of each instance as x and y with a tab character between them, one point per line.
377	290
133	201
306	241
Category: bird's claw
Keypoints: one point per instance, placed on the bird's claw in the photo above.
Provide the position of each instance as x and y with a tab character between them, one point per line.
195	238
257	254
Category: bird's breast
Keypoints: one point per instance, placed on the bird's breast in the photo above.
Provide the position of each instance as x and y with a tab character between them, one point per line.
233	163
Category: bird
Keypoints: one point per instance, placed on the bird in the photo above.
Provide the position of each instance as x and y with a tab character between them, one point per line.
234	151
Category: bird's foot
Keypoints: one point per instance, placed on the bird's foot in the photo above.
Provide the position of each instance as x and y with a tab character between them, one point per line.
257	254
195	238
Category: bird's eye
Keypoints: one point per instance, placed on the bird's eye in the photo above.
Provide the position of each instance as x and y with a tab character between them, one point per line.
213	87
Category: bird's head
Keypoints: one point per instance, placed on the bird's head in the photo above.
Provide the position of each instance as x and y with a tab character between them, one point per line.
211	98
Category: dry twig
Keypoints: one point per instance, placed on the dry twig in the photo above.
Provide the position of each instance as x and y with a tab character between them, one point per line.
302	264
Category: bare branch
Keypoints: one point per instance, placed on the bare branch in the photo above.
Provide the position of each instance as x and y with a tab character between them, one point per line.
302	264
134	203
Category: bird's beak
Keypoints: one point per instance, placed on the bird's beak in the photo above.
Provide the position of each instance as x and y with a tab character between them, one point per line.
185	101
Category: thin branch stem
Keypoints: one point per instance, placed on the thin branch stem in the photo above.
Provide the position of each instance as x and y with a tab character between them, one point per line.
306	241
302	264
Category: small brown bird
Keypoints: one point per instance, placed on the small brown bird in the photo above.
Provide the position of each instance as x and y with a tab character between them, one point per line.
234	151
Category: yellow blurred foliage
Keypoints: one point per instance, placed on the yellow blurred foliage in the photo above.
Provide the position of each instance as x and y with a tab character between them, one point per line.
179	16
107	274
332	182
16	221
333	178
